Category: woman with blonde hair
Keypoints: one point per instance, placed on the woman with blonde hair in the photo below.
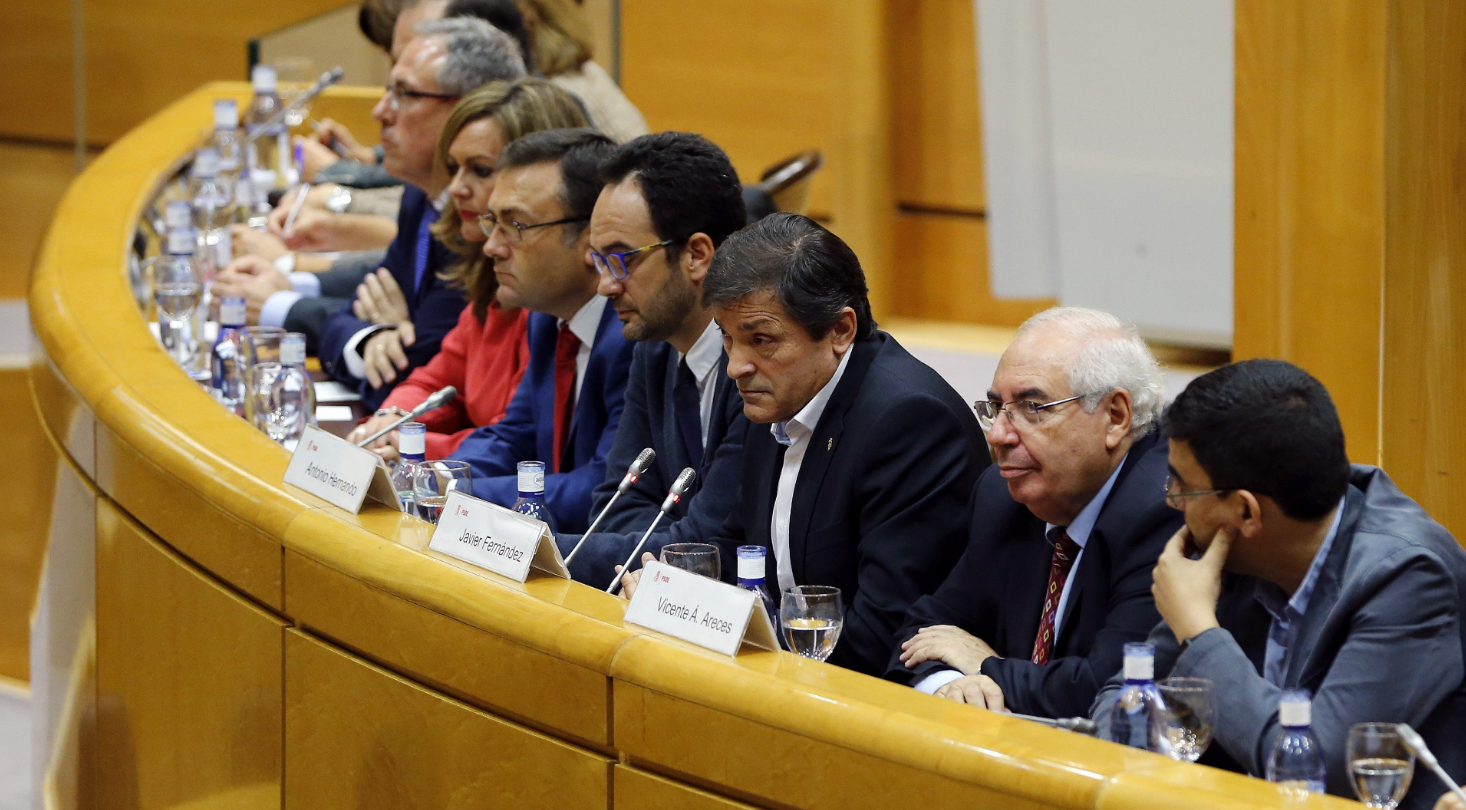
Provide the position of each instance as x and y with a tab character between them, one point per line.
484	356
562	52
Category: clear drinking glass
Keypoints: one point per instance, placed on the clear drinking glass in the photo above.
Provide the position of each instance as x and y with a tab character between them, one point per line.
1189	716
263	344
279	403
295	74
1380	764
177	289
433	482
812	616
699	558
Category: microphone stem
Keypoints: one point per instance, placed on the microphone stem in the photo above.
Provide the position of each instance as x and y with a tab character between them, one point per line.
592	528
407	417
615	583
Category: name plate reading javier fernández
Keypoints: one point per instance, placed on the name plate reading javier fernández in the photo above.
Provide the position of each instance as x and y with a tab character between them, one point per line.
703	611
338	471
501	540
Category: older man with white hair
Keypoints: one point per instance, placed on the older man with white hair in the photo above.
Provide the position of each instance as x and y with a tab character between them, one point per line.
1066	526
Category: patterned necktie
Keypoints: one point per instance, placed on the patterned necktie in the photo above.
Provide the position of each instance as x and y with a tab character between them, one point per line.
688	406
566	347
1065	551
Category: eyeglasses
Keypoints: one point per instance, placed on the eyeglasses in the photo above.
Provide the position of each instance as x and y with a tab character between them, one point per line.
1028	411
1177	500
395	94
615	263
514	231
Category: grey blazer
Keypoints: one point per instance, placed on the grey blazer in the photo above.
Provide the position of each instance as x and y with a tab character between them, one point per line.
1382	640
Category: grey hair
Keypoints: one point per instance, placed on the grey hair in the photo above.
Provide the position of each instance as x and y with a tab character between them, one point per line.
1112	356
478	53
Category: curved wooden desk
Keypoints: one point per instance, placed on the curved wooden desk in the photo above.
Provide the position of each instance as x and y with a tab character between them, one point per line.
255	647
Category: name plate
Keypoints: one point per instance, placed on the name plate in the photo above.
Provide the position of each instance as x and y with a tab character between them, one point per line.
501	540
699	610
339	472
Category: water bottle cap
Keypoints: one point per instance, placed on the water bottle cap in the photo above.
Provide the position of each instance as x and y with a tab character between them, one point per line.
531	477
181	242
412	439
263	78
1139	661
226	114
262	180
292	349
178	214
231	310
751	567
206	164
1295	709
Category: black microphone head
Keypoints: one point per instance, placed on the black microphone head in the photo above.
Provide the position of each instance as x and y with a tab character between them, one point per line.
643	462
684	481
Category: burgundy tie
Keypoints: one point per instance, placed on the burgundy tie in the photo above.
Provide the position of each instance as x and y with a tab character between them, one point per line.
566	347
1065	551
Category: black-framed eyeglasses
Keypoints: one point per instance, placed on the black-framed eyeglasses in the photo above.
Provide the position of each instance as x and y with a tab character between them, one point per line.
1177	500
395	94
616	264
514	231
1021	411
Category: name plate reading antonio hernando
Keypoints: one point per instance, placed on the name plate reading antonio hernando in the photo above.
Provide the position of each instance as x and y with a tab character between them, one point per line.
339	472
699	610
501	540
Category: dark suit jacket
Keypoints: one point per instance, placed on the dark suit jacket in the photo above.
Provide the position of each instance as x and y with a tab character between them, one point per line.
310	315
996	592
1381	640
881	505
527	431
649	419
433	305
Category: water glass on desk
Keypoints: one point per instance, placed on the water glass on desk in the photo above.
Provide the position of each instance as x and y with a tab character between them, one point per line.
177	289
434	480
263	344
699	558
1188	716
281	402
811	616
1380	764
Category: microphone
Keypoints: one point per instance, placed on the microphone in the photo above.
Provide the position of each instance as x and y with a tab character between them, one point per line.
327	79
638	468
438	399
679	488
1078	725
1416	743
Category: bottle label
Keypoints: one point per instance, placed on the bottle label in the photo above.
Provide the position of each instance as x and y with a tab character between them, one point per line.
532	482
1295	713
751	568
231	310
1139	668
181	242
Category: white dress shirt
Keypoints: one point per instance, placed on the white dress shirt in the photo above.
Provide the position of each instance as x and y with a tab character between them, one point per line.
794	434
702	360
1079	532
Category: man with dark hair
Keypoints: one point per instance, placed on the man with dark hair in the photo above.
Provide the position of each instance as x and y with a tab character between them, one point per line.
569	401
1297	571
862	479
669	201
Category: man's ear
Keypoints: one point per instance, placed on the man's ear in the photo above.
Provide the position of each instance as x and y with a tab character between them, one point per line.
696	256
1119	414
842	334
1251	525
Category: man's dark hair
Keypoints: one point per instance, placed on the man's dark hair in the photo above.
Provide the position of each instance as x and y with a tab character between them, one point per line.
376	19
579	153
1269	427
503	15
813	274
689	184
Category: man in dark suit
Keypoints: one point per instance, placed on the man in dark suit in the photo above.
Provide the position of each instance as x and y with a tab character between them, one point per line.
670	199
569	401
862	476
1064	528
1297	571
299	301
447	59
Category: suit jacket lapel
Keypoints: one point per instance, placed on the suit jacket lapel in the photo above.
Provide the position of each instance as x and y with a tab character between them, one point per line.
671	432
1313	627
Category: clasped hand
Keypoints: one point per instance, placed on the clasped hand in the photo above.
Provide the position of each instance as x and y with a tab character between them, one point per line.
951	645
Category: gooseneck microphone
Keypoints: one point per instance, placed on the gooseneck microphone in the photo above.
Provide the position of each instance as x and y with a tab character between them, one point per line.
679	488
637	469
438	399
327	79
1416	743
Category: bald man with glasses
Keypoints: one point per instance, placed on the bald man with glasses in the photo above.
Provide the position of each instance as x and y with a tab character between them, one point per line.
1065	528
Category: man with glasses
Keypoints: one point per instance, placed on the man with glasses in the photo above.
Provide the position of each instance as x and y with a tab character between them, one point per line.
1297	570
1064	528
669	201
447	59
569	401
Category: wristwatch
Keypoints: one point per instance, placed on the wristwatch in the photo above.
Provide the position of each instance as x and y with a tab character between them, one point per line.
340	200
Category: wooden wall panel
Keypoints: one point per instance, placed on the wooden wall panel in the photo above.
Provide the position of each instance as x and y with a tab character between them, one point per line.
35	70
1424	374
942	271
1310	197
938	148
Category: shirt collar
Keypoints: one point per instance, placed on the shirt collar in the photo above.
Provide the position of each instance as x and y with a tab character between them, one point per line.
808	417
702	358
588	320
1271	596
1083	523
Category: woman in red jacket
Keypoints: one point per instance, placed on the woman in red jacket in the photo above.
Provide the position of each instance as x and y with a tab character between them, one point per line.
484	356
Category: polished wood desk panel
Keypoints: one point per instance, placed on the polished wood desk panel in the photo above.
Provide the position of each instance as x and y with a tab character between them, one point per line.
249	635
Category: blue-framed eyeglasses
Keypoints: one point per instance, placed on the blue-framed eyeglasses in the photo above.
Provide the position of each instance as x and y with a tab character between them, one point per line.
615	263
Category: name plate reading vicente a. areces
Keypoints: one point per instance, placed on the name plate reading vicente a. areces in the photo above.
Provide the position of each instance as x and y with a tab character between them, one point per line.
703	611
338	471
489	536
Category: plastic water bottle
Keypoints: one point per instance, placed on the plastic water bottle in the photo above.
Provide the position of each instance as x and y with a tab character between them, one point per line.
264	153
178	287
213	199
1296	761
1138	715
289	396
412	450
532	493
227	139
229	369
752	571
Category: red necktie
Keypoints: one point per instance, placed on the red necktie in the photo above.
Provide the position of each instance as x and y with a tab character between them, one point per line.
566	347
1065	551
